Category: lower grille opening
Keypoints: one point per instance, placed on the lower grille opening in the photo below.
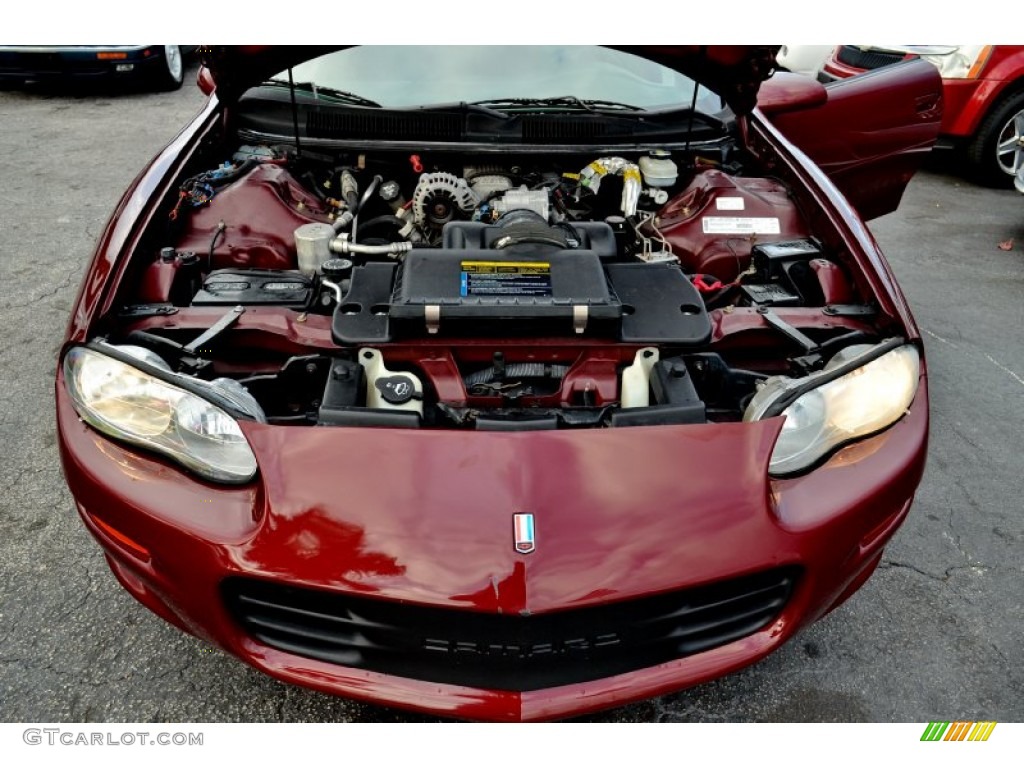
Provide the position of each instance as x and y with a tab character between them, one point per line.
503	652
855	57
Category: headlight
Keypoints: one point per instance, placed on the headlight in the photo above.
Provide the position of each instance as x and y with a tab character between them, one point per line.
963	63
127	403
825	416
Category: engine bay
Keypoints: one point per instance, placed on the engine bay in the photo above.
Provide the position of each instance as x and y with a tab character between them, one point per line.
497	292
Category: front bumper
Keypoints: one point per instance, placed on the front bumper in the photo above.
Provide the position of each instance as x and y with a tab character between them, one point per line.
81	62
661	521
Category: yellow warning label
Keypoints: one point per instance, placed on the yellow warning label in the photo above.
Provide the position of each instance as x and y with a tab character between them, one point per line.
505	278
517	267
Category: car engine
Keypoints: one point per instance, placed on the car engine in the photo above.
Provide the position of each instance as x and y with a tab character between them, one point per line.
488	292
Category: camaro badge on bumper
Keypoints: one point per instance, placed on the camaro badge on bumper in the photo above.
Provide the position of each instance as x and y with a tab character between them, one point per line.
524	536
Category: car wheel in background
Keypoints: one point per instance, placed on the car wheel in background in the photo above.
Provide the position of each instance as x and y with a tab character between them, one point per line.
997	150
169	72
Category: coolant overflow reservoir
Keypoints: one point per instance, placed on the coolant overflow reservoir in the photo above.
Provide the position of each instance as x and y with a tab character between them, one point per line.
636	379
658	169
396	390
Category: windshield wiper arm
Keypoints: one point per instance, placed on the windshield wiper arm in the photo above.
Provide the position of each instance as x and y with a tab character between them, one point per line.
587	105
311	87
462	106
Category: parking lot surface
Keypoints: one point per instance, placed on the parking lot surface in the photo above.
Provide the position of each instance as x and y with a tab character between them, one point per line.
934	635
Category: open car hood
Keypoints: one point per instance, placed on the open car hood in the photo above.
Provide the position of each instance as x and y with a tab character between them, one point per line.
735	72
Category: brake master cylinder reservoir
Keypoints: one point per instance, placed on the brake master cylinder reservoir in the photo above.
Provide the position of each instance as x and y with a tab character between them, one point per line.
394	390
658	169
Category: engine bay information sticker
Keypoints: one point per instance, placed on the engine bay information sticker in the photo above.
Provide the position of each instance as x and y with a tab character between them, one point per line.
505	278
740	225
730	203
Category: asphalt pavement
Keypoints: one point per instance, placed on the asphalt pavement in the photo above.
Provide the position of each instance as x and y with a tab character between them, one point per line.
936	634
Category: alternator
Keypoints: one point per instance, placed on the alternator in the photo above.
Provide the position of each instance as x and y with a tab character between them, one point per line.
438	196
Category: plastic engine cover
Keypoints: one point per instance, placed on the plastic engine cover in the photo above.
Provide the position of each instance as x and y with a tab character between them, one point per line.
486	285
549	292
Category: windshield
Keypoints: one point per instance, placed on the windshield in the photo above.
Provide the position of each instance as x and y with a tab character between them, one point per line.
407	76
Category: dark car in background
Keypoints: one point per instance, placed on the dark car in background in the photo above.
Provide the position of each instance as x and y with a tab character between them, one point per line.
983	90
161	67
503	383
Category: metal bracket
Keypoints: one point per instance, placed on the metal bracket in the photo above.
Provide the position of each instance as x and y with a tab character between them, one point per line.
133	311
432	314
788	330
216	329
580	315
849	310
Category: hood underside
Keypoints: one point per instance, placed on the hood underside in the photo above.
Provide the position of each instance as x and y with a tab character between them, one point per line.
735	72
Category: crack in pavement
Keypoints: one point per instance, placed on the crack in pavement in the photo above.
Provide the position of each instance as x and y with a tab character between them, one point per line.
64	284
989	357
1003	368
954	536
947	574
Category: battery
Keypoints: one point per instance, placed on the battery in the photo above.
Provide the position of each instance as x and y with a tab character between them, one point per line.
770	294
230	287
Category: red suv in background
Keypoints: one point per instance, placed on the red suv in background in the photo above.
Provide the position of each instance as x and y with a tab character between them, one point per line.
983	91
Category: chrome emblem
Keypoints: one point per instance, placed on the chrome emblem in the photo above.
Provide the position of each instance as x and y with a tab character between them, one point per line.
524	536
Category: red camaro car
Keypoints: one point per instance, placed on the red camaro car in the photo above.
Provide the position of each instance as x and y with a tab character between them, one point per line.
503	383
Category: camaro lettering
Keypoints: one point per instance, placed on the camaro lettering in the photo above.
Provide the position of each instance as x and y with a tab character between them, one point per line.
522	651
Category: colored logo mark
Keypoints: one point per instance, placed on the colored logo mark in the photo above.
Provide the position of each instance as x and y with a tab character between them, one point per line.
959	731
524	536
